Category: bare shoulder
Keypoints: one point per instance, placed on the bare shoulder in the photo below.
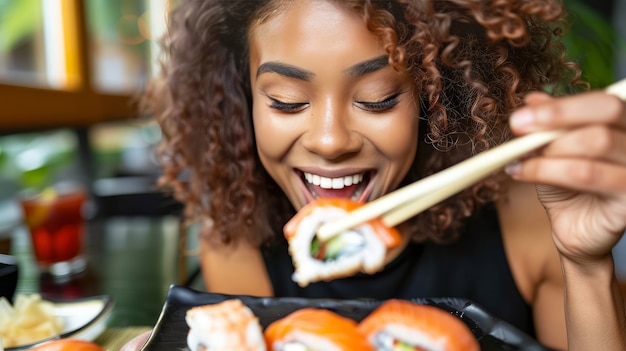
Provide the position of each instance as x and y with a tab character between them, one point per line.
520	207
534	260
237	269
527	238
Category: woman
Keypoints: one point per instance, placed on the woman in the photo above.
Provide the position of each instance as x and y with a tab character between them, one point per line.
262	103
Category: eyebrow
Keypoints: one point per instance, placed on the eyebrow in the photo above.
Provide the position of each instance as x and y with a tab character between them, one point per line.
285	70
369	66
289	71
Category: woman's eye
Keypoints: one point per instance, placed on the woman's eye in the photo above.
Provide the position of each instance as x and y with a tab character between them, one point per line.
380	106
286	106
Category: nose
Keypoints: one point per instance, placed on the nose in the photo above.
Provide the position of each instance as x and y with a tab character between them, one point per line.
331	134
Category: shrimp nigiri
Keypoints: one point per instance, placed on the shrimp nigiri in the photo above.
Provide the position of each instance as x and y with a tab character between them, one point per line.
228	325
407	326
313	329
360	249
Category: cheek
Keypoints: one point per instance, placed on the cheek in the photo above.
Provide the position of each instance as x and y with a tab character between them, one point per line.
274	135
396	138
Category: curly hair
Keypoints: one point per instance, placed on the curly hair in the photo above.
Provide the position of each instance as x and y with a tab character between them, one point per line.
471	61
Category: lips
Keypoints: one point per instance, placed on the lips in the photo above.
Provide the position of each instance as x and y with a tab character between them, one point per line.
350	186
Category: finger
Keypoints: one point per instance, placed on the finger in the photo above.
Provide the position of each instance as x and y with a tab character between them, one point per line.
575	174
536	97
136	343
599	142
567	112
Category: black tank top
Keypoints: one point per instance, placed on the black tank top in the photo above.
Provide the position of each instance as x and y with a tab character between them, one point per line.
474	267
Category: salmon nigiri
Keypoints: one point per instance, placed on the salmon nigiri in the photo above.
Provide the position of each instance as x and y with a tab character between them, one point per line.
407	326
314	329
360	249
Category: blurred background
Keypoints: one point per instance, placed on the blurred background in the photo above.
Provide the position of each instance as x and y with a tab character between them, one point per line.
70	72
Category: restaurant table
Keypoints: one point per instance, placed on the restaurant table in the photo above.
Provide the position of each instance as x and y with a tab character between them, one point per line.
134	260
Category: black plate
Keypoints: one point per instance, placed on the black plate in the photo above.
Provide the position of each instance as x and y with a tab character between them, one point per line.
170	332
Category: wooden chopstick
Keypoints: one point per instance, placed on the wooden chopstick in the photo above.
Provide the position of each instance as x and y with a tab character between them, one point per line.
404	203
618	89
407	201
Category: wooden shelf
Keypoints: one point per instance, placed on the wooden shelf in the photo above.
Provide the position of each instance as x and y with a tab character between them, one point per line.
26	108
78	104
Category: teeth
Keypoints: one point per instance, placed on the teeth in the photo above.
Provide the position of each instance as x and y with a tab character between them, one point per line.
333	183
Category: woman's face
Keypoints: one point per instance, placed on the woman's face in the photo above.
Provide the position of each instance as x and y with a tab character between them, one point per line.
332	118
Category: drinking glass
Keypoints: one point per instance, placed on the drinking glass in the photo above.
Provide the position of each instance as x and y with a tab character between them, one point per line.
54	218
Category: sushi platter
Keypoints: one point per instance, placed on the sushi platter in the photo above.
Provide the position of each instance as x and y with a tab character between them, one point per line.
170	332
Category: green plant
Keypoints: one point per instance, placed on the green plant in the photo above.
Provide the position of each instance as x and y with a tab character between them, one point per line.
18	19
591	41
36	160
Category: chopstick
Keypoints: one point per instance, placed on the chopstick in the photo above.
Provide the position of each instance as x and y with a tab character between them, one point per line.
404	203
408	201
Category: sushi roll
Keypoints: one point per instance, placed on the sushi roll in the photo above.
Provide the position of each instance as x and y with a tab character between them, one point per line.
228	325
361	249
315	329
398	325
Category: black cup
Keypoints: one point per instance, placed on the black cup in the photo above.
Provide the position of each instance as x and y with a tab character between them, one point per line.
8	276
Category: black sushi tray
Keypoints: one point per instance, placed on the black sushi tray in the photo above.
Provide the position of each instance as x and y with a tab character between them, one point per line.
170	331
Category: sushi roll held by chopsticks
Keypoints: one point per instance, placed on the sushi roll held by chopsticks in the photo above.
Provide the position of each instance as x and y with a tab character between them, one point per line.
361	249
225	326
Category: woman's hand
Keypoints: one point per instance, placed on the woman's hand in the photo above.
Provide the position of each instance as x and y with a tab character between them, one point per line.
137	342
582	175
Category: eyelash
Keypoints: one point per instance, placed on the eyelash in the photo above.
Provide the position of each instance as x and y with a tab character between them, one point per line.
380	106
286	107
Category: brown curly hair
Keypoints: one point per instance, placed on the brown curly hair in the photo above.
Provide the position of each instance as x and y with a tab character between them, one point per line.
472	62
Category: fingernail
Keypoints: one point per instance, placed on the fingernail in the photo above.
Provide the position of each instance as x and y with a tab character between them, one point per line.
521	119
513	169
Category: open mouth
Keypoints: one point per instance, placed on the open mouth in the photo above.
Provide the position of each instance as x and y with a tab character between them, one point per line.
351	186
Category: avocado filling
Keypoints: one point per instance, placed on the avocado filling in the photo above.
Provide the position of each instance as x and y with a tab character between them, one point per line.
346	243
385	342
